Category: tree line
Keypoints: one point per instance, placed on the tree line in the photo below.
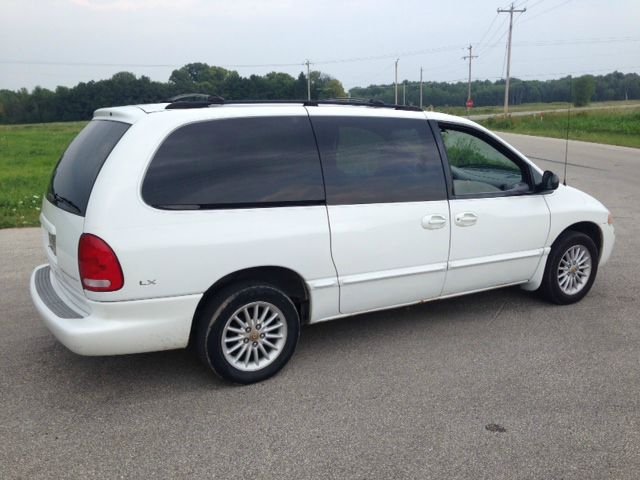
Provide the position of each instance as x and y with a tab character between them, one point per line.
124	88
580	90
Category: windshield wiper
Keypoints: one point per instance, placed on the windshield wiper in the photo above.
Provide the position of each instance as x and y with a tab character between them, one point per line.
66	201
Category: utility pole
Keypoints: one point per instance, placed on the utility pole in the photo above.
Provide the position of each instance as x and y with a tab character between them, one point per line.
420	88
397	59
471	56
404	92
307	63
511	11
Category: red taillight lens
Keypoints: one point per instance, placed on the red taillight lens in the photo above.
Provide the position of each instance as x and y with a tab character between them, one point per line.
100	269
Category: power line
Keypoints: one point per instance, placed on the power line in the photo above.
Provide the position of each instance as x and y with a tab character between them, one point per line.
534	4
479	42
546	11
487	47
493	36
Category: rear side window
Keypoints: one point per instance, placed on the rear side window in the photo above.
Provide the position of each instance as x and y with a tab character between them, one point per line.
256	161
379	160
76	172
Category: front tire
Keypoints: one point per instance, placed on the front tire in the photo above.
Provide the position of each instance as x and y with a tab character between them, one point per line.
571	268
247	332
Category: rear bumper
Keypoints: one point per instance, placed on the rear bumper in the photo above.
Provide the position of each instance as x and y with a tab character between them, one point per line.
113	328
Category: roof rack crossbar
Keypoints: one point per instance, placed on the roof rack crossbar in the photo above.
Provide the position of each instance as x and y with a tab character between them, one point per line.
202	101
194	100
362	103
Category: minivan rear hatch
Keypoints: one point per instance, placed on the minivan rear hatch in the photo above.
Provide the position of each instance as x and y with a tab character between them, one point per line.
65	204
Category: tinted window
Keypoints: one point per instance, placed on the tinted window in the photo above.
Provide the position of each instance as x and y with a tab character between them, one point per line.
76	172
233	162
379	160
477	167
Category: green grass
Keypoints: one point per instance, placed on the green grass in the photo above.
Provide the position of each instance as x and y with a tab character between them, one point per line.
610	126
525	107
28	154
528	107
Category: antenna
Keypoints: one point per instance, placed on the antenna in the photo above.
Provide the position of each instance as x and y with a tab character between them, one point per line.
566	147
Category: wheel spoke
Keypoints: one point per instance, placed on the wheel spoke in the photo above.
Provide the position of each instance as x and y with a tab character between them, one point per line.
247	356
240	321
271	319
272	327
234	348
247	317
244	349
263	350
233	339
268	343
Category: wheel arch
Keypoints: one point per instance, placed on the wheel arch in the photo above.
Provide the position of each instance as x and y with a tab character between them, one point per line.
285	279
591	229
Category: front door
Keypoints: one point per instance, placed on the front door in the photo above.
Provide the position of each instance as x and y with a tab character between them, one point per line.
498	225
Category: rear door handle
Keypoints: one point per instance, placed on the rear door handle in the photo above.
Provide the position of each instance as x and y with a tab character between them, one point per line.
466	219
433	222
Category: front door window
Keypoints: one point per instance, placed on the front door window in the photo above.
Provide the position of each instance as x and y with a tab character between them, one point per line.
479	168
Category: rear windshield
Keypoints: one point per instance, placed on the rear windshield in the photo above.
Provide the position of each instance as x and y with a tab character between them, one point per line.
76	172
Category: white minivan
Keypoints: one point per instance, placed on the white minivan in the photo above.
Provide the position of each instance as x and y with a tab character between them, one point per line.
227	225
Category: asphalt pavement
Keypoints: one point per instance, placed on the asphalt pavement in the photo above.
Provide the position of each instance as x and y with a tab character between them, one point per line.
497	385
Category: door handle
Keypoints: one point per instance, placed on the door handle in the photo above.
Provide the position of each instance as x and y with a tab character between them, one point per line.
433	222
466	219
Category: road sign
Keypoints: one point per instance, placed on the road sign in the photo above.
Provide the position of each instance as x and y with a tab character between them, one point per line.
469	103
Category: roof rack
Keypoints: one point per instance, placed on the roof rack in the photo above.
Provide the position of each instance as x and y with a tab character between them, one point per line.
193	100
361	102
198	100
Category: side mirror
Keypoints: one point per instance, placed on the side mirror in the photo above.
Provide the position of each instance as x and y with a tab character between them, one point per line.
550	181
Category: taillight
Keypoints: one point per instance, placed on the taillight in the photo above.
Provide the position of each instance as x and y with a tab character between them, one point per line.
100	269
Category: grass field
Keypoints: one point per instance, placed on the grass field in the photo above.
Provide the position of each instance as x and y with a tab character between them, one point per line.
610	126
530	107
28	154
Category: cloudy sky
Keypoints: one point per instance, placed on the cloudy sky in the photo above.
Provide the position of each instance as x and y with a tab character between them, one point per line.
63	42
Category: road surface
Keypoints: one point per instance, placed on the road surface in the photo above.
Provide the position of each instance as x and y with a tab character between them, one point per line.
406	393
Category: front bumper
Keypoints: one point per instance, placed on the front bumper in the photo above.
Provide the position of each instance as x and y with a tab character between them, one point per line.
608	240
113	328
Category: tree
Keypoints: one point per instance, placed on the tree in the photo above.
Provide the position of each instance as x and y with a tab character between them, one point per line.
325	86
583	89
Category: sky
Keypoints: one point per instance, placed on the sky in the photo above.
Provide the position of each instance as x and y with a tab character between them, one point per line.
63	42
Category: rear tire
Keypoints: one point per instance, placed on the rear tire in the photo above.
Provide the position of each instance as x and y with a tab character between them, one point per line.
571	268
247	332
